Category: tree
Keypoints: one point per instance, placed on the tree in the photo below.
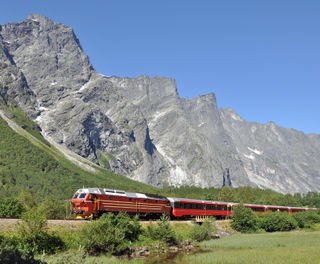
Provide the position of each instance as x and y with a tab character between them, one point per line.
244	220
163	231
27	199
10	207
227	194
53	208
33	235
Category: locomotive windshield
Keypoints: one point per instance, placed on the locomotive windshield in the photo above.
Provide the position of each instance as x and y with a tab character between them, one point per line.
82	195
75	196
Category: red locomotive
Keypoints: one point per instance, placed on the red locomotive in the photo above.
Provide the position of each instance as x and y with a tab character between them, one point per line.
92	202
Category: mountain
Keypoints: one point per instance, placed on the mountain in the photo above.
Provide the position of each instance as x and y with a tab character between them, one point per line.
140	127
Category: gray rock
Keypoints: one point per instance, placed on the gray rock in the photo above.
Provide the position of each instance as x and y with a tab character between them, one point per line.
285	160
140	127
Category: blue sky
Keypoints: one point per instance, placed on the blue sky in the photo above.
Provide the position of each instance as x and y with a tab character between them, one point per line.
261	58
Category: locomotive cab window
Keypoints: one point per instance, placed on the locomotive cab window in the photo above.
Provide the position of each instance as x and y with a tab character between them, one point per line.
75	196
82	195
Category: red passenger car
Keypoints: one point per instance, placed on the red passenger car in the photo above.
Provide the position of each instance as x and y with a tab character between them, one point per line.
190	208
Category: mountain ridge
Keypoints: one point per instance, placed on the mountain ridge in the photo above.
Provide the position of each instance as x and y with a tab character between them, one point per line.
140	127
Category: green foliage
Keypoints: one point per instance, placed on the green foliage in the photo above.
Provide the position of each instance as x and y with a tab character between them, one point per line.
210	225
26	123
227	194
33	235
207	230
111	234
312	199
53	208
163	231
27	199
10	253
307	219
273	222
14	255
10	207
110	157
199	233
244	220
104	162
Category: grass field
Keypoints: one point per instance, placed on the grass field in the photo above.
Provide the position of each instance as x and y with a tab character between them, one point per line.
265	248
275	248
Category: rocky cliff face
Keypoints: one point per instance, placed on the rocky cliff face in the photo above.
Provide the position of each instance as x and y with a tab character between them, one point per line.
140	127
283	159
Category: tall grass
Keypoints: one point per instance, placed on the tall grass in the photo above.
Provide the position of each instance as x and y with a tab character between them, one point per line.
275	248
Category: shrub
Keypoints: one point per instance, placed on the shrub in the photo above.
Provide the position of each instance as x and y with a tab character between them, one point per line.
53	208
244	220
10	207
277	222
205	231
199	233
14	255
307	218
210	225
9	253
163	231
33	235
110	234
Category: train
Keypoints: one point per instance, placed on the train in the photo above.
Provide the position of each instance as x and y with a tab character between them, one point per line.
91	203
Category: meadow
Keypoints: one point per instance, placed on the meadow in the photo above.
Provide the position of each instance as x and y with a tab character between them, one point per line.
276	248
264	248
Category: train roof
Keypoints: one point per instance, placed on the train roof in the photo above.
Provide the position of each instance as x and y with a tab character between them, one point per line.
106	191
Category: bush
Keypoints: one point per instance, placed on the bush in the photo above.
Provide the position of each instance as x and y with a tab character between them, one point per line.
33	235
53	208
277	222
199	233
10	207
244	220
205	231
9	253
111	234
163	231
210	225
307	218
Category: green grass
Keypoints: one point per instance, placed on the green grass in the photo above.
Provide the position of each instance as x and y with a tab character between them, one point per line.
110	156
275	248
76	257
26	123
104	162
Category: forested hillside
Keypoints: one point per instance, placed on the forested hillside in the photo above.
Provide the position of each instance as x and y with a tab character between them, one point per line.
44	171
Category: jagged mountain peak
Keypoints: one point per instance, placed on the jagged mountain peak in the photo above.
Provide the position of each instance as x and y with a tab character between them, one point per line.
140	127
40	18
233	114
